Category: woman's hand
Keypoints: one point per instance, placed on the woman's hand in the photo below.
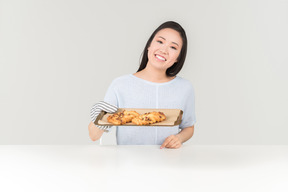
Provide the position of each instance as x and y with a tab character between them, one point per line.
175	141
172	142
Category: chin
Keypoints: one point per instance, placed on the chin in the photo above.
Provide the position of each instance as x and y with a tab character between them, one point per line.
159	67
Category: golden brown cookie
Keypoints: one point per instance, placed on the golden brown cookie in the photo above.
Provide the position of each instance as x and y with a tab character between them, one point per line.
149	118
129	115
122	118
116	119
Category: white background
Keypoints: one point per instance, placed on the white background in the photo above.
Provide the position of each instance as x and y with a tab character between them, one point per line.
59	57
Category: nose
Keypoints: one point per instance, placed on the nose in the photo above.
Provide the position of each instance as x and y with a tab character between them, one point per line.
164	49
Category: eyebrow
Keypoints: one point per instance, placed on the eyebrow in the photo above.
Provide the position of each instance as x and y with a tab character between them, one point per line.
165	39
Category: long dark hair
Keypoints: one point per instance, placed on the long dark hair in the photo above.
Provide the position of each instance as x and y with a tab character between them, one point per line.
176	67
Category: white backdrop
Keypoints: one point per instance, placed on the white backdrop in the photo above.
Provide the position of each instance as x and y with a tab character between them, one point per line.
59	57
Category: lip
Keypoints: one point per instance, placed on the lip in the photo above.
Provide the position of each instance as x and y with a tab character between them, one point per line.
161	57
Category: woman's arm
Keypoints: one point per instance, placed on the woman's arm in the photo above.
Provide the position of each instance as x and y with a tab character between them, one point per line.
94	132
175	141
186	133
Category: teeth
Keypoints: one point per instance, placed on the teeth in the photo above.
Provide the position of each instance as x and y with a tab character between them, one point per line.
161	58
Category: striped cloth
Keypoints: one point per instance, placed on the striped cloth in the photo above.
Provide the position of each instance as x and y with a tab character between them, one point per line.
98	108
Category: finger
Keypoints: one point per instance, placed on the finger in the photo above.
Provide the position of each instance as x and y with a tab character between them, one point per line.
173	140
171	143
167	140
175	145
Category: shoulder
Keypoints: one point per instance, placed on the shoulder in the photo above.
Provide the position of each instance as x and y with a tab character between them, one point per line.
121	80
185	84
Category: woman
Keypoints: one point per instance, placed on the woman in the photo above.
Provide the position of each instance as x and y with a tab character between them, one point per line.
155	85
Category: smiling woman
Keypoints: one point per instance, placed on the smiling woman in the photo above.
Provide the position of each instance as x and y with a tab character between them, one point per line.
163	51
168	35
155	86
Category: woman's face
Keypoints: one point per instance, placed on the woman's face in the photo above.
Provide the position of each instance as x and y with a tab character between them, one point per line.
164	49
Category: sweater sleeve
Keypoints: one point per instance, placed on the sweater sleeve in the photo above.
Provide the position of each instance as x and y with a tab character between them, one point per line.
111	94
189	117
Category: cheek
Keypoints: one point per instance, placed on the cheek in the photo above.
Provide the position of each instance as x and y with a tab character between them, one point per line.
150	53
152	49
174	56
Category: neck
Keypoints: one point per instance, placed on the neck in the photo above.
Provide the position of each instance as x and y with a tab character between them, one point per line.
154	75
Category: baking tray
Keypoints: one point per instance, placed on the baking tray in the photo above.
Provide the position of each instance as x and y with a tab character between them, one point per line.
173	117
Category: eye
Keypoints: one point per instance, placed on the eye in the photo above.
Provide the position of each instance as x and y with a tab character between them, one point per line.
174	48
159	41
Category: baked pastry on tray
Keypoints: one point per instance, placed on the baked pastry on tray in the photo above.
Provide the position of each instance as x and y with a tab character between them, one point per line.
149	118
124	117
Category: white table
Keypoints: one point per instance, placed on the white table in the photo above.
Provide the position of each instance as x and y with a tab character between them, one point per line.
143	168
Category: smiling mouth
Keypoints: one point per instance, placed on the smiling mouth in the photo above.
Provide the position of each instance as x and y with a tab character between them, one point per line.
160	57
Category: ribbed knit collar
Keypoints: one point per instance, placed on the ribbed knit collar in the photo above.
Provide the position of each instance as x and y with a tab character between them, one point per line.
153	83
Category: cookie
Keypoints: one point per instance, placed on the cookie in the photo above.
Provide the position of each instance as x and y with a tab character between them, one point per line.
122	118
149	118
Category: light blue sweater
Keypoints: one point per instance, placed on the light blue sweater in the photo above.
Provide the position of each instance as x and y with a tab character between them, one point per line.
129	91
